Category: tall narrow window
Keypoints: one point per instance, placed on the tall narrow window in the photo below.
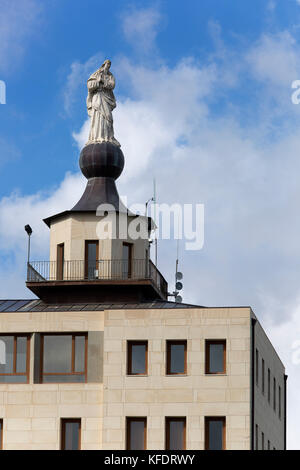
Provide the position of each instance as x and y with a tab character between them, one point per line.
279	402
60	261
127	261
215	433
269	385
14	359
256	437
262	441
136	433
71	434
269	445
215	357
176	357
256	366
91	259
1	434
64	358
137	361
263	376
175	433
274	394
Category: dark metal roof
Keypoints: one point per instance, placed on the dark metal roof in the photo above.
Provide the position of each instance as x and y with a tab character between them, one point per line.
40	306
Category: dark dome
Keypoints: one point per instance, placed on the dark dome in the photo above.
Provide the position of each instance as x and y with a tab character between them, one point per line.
101	159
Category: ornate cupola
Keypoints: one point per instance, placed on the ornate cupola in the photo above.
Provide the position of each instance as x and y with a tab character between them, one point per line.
95	255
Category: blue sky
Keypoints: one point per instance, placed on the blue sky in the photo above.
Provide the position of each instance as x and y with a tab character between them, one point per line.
204	105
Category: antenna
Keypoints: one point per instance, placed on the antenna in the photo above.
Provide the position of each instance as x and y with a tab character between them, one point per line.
155	234
178	278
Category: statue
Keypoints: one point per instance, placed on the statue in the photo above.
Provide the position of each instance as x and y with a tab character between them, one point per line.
100	104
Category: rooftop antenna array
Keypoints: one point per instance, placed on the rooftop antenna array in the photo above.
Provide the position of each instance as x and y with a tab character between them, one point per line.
178	279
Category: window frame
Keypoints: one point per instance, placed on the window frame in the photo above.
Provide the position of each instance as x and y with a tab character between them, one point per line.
130	419
60	261
208	343
86	259
269	385
208	419
168	420
131	343
169	343
257	367
63	422
279	402
263	376
274	394
65	333
21	374
130	259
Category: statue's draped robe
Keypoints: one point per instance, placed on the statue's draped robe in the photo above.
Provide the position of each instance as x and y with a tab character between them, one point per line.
100	104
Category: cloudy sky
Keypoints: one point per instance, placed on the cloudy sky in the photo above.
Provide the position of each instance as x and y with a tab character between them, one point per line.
204	106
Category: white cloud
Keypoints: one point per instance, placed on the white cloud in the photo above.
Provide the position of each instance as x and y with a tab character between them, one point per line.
18	21
140	27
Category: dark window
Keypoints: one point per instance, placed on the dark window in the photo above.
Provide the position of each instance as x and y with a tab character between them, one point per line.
70	434
137	363
279	402
64	358
176	357
127	260
215	433
60	261
269	445
256	437
136	433
263	376
256	366
215	357
14	358
274	394
269	385
1	434
262	441
175	433
91	259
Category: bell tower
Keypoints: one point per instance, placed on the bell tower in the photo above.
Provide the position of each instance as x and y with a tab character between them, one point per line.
99	250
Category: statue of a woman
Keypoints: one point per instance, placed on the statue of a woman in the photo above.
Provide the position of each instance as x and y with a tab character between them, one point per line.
100	104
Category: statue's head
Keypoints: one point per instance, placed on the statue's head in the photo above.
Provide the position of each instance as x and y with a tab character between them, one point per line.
106	65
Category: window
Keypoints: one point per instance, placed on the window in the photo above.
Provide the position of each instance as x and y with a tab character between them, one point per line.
1	434
279	402
91	259
60	261
70	434
215	357
256	437
137	357
263	376
269	385
176	357
175	433
215	433
262	441
136	433
64	358
269	445
274	394
256	366
14	359
127	260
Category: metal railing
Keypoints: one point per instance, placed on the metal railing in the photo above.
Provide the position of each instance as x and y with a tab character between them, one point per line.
79	270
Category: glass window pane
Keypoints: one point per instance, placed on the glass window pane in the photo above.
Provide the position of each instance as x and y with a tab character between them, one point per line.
176	434
215	431
136	434
6	354
79	353
13	379
71	438
57	353
216	358
91	259
72	378
177	358
21	354
138	359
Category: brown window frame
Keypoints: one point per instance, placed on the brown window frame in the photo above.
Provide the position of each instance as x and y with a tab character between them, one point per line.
1	434
60	258
130	419
64	421
86	260
206	438
131	343
65	333
130	246
14	373
167	427
168	363
208	343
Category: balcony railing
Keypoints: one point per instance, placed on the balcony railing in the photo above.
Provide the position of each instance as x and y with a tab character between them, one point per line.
112	270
